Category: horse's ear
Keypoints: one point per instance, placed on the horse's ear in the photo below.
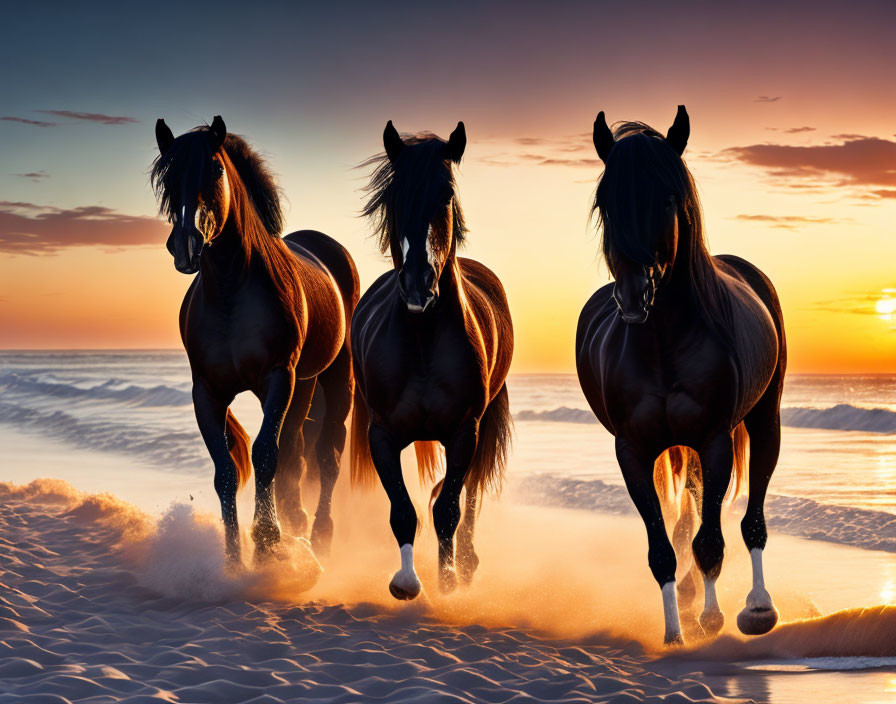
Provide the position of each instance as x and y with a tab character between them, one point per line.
457	142
392	141
219	131
602	137
164	136
678	134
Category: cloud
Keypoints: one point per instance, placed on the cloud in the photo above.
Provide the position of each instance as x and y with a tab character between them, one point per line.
574	150
788	222
791	130
768	99
28	228
26	121
858	304
92	117
857	161
34	175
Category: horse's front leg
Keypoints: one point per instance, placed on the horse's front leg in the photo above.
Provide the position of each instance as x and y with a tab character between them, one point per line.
637	470
211	416
459	454
386	454
275	398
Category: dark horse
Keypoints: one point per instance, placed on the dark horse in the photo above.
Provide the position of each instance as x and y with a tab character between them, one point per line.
432	342
266	315
684	353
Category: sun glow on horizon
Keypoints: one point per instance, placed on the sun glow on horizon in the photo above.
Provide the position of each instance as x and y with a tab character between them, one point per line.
886	305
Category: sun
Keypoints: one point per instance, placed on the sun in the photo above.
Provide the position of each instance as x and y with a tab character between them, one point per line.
885	307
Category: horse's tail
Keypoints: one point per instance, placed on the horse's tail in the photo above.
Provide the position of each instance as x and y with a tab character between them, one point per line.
238	441
490	459
678	478
363	472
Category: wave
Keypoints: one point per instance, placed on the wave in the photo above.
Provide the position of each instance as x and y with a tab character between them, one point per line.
843	416
171	449
804	518
110	390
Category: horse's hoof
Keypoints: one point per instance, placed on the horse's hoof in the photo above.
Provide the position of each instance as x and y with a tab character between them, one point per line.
712	622
322	536
757	621
404	587
673	640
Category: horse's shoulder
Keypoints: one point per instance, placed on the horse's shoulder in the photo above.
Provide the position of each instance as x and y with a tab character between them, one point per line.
595	310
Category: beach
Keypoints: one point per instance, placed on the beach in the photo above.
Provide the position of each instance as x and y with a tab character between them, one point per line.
116	587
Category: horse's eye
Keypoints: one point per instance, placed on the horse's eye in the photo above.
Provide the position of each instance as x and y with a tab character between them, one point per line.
218	169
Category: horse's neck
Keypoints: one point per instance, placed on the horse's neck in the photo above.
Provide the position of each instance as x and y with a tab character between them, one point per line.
223	265
675	299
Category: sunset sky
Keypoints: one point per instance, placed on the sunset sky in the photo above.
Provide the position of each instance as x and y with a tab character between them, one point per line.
793	145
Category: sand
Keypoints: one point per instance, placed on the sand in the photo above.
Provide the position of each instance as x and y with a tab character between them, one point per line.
85	615
126	597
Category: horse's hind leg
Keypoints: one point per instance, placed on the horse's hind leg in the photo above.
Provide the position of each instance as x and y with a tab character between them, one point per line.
291	461
211	416
716	460
763	425
459	453
637	471
467	559
338	386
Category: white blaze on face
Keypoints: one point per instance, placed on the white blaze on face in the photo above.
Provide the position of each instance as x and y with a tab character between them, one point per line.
405	246
670	611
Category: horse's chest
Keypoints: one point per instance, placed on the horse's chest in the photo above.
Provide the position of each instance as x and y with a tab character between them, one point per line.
428	388
233	343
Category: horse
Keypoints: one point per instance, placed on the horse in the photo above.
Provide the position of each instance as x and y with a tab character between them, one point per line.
264	314
682	359
432	342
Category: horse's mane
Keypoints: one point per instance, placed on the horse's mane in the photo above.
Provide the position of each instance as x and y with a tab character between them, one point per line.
255	207
392	198
642	171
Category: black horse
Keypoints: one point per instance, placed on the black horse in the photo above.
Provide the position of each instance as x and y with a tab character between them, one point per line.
684	353
432	342
266	315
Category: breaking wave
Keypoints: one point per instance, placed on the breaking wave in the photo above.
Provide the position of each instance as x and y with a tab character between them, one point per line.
843	416
804	518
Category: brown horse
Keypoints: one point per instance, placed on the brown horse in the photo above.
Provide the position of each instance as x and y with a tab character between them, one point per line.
432	342
266	315
681	359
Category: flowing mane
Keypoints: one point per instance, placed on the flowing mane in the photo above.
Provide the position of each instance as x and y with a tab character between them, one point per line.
641	172
255	207
394	195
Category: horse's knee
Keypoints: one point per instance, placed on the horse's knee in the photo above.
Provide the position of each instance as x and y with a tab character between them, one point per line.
709	549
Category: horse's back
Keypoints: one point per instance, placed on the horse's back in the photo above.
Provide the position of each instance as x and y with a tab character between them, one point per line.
333	256
487	301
